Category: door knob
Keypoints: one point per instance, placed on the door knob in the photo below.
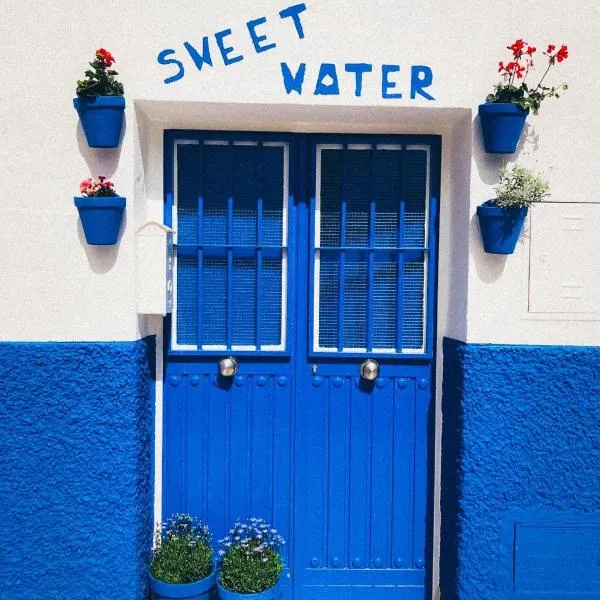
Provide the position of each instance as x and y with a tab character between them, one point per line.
228	367
369	369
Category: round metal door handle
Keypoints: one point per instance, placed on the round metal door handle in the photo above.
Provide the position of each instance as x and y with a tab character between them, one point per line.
369	369
228	367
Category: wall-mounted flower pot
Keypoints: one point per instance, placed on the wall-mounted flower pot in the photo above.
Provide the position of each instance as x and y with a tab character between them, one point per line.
273	593
102	119
196	590
501	125
100	218
500	227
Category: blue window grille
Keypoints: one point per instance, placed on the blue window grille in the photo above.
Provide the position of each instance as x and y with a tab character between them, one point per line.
371	242
371	235
230	211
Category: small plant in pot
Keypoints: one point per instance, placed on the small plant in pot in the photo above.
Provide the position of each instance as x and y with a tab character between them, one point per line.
182	560
503	115
100	103
250	562
501	219
100	210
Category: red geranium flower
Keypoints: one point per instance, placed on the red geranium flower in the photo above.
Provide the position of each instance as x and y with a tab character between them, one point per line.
562	54
531	50
517	47
550	49
106	56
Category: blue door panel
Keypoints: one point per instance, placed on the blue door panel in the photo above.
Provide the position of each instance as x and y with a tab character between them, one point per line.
360	489
227	454
339	465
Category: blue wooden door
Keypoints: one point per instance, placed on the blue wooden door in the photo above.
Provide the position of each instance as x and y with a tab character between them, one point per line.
302	256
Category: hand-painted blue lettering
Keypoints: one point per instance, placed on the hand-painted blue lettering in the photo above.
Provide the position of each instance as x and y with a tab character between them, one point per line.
199	59
327	81
294	12
358	69
163	59
226	50
386	84
421	77
293	83
257	39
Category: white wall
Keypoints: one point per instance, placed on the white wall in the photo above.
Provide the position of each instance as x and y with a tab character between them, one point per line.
58	288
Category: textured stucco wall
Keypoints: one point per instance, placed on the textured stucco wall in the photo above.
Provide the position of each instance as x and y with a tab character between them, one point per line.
75	469
521	435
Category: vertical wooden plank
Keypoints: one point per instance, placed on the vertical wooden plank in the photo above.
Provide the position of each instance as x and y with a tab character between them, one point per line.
194	426
219	458
206	378
312	502
262	450
174	437
239	473
382	453
360	477
338	472
282	461
403	473
422	401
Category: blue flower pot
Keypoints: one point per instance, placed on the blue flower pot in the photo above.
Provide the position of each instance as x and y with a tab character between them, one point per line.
500	227
197	589
273	593
101	219
501	125
102	119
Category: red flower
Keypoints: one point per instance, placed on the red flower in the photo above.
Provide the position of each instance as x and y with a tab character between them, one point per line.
517	48
501	67
106	56
515	68
562	54
531	50
550	49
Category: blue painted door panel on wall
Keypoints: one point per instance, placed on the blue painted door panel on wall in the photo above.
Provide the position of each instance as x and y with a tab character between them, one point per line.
302	256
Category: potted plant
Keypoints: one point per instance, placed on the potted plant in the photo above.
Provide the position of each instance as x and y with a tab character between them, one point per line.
501	219
182	560
250	562
100	210
503	115
100	103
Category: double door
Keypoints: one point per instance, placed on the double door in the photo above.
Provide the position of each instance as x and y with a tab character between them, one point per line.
310	262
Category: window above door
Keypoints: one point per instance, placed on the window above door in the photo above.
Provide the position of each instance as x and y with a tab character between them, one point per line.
373	237
369	251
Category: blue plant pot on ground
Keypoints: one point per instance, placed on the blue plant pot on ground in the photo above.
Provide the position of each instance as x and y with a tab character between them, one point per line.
102	119
196	590
501	125
500	227
273	593
101	219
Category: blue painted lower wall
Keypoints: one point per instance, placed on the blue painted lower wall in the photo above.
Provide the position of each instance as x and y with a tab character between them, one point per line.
520	472
76	489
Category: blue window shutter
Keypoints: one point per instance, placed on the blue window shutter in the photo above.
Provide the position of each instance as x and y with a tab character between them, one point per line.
372	248
230	245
